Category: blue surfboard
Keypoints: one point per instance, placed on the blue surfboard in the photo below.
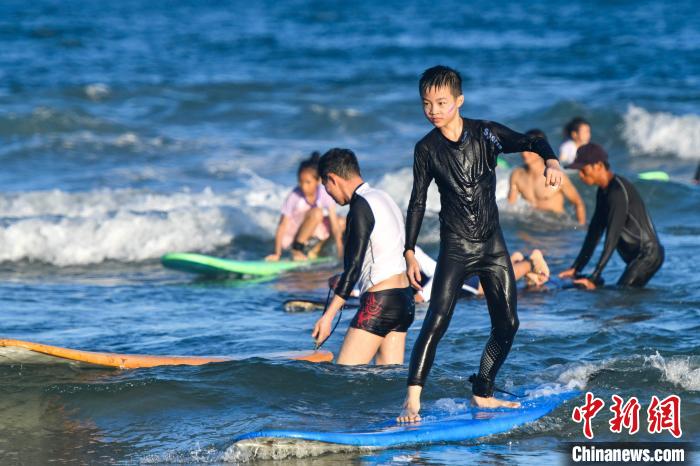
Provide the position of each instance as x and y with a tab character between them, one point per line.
436	427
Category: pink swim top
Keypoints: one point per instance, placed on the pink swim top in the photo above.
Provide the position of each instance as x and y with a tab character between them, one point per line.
295	208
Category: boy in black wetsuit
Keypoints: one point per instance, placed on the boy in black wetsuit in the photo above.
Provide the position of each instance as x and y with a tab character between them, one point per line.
460	155
620	210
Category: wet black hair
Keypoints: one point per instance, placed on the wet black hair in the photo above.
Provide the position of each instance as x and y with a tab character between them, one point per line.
574	125
341	162
537	133
440	76
310	164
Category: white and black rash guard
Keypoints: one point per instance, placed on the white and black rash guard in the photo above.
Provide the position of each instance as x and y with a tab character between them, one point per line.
374	241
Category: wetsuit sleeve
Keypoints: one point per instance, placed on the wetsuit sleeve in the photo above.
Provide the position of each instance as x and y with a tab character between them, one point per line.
416	206
360	223
511	141
595	230
617	216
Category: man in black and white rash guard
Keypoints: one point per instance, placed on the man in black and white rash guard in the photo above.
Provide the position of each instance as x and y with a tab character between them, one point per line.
373	259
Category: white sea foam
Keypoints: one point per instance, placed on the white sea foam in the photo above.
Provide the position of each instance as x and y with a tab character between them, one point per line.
660	133
280	448
97	91
577	375
680	371
451	406
196	456
65	229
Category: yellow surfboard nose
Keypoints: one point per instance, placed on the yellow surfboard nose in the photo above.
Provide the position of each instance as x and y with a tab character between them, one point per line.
27	352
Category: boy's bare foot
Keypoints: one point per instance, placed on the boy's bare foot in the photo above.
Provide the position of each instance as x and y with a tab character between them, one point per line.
411	406
539	265
535	280
492	402
409	413
298	255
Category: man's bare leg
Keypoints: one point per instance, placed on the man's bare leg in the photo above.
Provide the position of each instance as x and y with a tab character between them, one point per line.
411	406
392	349
359	347
521	268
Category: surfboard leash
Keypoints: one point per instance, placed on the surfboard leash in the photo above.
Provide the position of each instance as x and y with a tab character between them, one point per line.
340	314
472	379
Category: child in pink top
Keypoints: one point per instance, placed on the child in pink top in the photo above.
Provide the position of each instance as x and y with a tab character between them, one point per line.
308	217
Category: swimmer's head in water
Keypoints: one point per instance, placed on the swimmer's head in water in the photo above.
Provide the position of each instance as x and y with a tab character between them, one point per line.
337	168
307	174
440	89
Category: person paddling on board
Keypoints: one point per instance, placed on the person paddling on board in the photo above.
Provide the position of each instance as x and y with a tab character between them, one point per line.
533	269
460	154
620	211
373	259
308	217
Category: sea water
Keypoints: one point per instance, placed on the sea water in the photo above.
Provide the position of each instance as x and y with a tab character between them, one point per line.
132	129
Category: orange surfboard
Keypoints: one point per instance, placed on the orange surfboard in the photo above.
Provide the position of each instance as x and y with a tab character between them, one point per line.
27	352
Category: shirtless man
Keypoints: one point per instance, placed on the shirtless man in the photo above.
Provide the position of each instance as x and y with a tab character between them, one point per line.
526	181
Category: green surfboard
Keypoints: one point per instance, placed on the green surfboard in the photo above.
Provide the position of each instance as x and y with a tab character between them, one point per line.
215	266
654	176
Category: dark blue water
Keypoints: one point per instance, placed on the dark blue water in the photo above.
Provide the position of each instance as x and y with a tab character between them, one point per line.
132	129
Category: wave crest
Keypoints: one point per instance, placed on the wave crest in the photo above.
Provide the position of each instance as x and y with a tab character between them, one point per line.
661	133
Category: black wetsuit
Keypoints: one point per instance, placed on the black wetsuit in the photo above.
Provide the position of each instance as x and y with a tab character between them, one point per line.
471	241
620	210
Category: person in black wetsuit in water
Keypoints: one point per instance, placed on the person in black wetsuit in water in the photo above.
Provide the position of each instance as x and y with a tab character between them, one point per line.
460	155
620	211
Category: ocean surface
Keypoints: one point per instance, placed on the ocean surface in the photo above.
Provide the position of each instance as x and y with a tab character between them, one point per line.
131	129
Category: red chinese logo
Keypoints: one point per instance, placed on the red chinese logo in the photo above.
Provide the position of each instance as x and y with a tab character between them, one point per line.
626	415
587	412
665	415
661	415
